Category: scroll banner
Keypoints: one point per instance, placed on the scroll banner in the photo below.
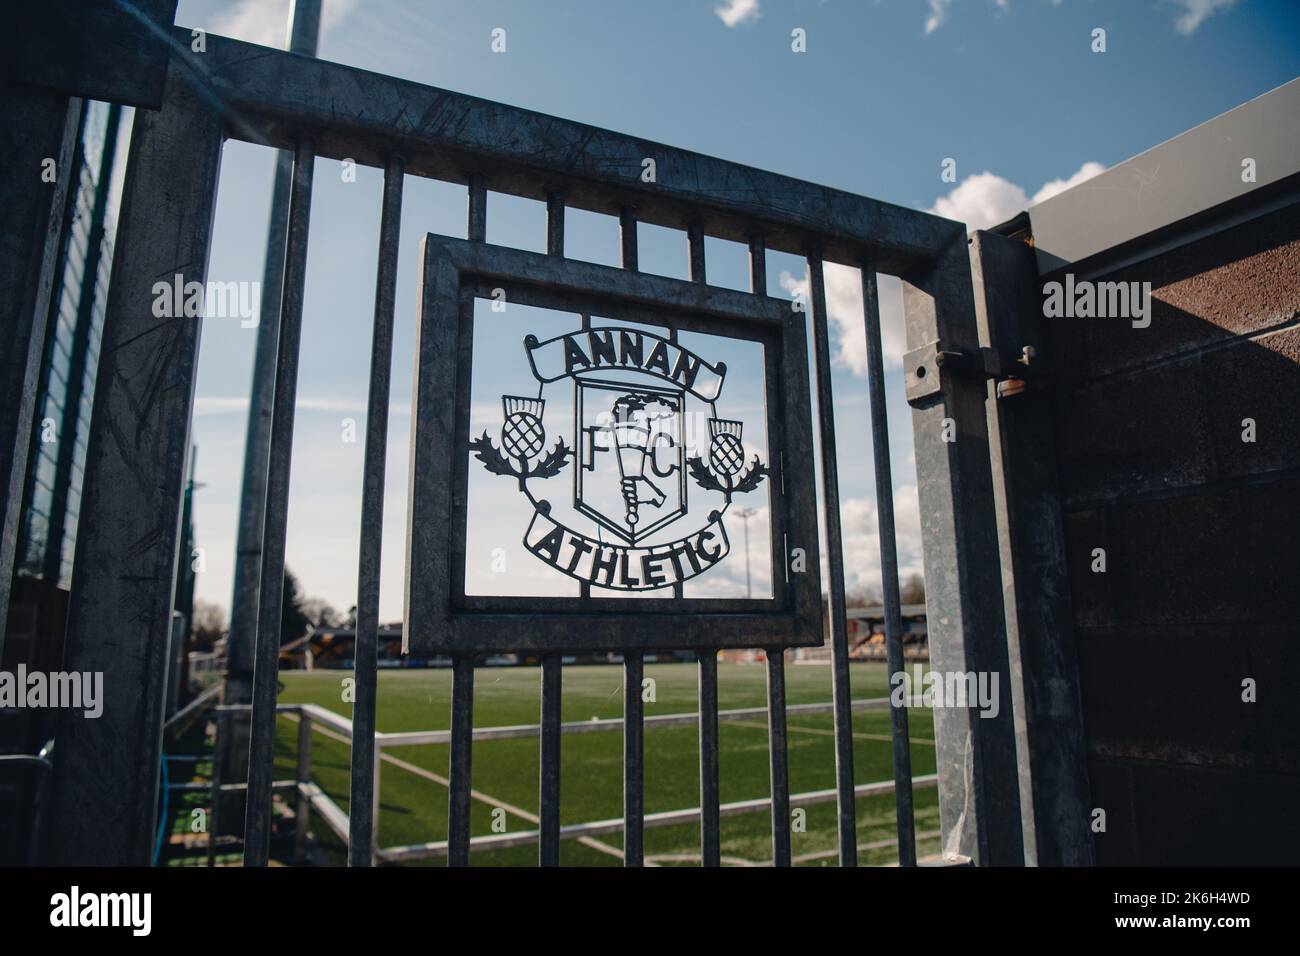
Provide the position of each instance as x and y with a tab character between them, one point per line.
607	565
627	350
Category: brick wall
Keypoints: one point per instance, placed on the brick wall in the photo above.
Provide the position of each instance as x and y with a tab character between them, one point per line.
1202	538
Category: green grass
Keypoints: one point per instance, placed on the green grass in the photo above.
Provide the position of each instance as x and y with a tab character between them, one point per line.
413	808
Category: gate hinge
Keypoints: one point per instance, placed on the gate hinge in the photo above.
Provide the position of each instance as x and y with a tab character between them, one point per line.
924	369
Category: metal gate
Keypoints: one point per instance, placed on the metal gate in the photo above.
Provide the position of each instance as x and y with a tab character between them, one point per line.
127	548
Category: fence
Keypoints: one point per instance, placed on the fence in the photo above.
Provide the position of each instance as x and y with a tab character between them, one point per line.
308	797
135	470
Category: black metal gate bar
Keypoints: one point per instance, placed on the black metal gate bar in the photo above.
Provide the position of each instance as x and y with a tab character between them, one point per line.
104	810
776	723
548	847
261	748
710	819
633	756
462	744
627	239
219	741
362	821
476	228
841	693
710	814
554	224
549	803
633	661
888	563
776	735
37	126
695	245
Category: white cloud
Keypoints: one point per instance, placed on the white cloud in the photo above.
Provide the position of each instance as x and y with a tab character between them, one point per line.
844	309
938	13
735	12
986	199
1050	189
1195	12
266	22
861	528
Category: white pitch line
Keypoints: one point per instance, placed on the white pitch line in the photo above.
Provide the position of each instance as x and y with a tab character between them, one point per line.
476	794
830	733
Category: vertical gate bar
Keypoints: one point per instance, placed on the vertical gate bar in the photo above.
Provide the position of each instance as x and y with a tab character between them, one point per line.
462	744
303	775
633	761
627	238
695	244
554	225
979	801
757	265
633	661
124	572
76	374
37	126
303	38
215	792
375	791
841	692
776	731
710	812
364	785
776	723
549	844
476	229
888	564
776	735
261	748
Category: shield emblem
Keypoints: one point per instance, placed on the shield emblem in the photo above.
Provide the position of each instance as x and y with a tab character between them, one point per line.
631	465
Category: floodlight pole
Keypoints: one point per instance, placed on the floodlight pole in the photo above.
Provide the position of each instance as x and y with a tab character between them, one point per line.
744	514
303	37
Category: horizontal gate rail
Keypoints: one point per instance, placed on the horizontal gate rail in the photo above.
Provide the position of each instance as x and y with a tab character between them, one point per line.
351	113
499	841
512	731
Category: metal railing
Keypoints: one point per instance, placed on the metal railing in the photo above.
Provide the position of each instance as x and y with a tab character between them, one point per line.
310	797
136	466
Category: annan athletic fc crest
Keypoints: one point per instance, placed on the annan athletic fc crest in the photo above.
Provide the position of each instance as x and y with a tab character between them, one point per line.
628	455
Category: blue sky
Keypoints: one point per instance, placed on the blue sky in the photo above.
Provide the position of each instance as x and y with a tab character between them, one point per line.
885	92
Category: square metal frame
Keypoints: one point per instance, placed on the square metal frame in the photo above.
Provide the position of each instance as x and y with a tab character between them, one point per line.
440	618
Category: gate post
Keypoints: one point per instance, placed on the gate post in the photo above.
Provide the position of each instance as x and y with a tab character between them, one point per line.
975	749
39	126
103	810
1051	746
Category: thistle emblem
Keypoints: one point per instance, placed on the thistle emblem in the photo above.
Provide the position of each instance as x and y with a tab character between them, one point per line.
523	436
726	461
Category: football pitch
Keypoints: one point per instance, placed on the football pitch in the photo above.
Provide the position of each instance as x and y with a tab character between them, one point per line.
413	793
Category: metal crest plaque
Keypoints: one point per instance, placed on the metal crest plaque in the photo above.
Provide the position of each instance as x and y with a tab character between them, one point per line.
611	466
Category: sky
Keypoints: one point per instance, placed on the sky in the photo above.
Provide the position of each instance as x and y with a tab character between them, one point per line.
1007	95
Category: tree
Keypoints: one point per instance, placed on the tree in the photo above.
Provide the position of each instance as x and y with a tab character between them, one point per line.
320	613
293	620
862	596
208	626
913	590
